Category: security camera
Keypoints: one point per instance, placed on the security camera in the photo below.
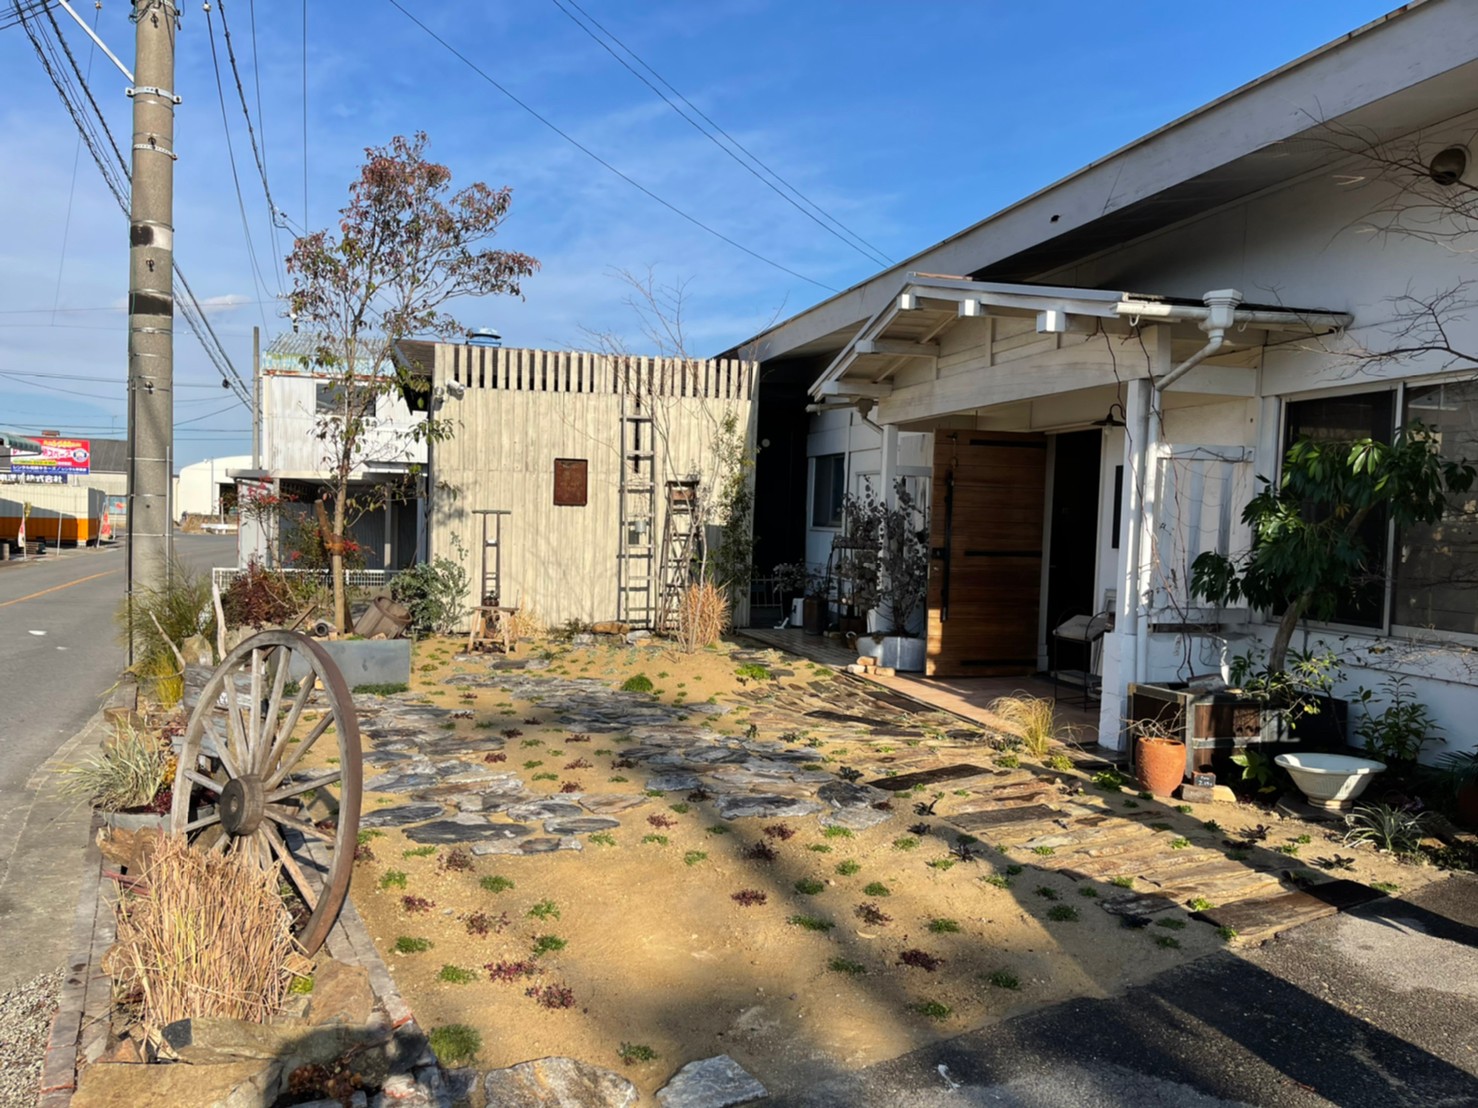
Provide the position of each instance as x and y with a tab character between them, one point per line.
456	389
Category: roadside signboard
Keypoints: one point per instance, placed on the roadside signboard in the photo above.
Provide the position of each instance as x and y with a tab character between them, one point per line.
58	456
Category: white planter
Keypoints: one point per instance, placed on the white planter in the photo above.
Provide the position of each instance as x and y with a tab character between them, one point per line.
1330	781
906	655
798	611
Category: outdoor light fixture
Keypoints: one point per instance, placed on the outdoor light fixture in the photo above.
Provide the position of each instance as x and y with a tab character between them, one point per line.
1448	166
1111	420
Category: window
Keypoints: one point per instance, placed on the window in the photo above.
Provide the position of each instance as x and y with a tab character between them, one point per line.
1367	415
1436	569
828	486
329	399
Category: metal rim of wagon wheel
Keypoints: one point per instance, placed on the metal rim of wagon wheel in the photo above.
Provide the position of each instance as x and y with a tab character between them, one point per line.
236	787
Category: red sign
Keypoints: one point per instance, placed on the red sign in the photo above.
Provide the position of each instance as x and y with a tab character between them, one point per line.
57	456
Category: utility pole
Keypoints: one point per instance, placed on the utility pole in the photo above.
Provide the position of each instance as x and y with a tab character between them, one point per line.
151	297
256	398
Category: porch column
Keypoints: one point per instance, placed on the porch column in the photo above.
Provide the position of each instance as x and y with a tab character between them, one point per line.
888	468
1120	647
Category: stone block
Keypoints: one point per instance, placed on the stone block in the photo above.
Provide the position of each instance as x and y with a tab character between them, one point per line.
558	1083
717	1082
1198	794
248	1083
341	993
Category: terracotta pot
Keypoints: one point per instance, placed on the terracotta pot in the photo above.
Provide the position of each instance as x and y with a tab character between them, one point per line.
1159	765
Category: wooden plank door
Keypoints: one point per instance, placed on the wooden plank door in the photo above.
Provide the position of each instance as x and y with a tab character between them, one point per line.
985	551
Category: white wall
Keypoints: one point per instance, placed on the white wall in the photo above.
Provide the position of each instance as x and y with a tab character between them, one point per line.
291	447
198	486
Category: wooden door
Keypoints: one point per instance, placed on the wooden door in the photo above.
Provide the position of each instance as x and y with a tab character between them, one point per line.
985	551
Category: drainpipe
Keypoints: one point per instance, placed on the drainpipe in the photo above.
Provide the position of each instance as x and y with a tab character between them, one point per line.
1219	316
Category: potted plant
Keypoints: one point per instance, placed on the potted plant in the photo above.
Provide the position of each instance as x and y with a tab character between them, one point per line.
1159	758
807	590
129	781
891	586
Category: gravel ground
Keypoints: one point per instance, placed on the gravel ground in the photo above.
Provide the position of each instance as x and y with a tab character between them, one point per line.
25	1026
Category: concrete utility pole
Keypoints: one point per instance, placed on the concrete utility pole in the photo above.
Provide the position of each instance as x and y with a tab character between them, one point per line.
150	297
256	398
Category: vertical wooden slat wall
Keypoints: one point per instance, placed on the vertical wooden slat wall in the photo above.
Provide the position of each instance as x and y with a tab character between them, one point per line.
520	410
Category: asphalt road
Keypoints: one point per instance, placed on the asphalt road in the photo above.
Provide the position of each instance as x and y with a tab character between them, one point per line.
59	657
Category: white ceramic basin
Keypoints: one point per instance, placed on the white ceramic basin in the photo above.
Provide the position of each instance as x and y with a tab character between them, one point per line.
1331	781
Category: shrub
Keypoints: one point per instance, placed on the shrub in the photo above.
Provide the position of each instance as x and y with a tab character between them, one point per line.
435	593
1385	828
455	1044
1032	719
159	623
258	597
212	938
129	772
637	683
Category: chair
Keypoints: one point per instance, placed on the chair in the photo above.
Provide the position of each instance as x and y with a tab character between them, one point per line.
1085	632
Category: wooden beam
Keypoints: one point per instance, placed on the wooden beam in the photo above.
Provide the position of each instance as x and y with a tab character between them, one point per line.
897	348
856	388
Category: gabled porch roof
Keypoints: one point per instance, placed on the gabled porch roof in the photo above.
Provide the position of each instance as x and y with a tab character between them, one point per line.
913	328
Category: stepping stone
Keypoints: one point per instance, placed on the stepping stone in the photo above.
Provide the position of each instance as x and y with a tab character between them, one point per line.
465	829
545	809
856	819
581	825
847	794
1136	904
718	1082
549	846
1263	917
401	782
612	802
769	807
401	815
929	777
979	821
557	1082
673	782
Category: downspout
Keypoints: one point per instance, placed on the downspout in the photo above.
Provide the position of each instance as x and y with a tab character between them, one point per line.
1221	306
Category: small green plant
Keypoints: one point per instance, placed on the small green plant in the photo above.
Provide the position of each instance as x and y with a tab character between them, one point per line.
1397	733
1004	979
753	671
495	884
1110	781
1044	851
1199	904
455	1044
1008	761
1385	828
877	888
681	808
419	852
1060	762
1087	890
1123	882
364	837
1184	809
1212	826
392	879
1014	870
832	831
810	923
932	1009
809	886
848	868
999	880
381	690
545	909
1179	843
717	829
1170	923
637	683
455	975
409	944
659	840
942	926
533	763
847	966
547	944
941	863
1167	942
603	838
1387	887
820	848
1227	933
1159	827
1290	849
546	777
1046	892
1303	840
1130	803
618	779
301	986
1062	913
905	842
632	1053
693	857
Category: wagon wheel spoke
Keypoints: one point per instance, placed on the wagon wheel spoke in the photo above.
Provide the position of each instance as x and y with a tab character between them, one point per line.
203	781
290	866
289	725
223	751
288	818
254	742
237	741
275	778
203	821
297	788
268	745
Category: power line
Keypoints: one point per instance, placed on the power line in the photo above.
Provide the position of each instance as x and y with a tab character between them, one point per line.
61	263
86	377
796	199
578	145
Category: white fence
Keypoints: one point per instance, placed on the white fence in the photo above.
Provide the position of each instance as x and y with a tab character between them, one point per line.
222	576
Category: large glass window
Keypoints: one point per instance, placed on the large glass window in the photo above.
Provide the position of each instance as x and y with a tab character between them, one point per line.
1436	584
1366	415
828	487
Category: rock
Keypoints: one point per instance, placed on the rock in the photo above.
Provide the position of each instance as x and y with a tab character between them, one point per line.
464	1087
400	815
125	1051
1197	794
545	809
558	1083
341	993
249	1083
582	825
611	802
1223	794
767	807
421	1090
214	1040
716	1082
856	819
846	794
672	782
549	846
464	829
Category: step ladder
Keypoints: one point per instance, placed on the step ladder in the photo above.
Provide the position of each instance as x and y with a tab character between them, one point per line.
636	551
492	625
682	551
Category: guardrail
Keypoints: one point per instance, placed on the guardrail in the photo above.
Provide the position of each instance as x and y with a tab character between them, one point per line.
222	576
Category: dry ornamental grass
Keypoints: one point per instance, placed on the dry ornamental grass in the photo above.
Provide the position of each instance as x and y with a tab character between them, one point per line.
206	935
702	617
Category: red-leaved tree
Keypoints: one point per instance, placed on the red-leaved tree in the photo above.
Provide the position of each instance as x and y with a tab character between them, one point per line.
407	245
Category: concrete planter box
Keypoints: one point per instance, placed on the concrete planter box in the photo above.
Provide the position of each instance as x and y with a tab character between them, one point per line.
905	654
364	661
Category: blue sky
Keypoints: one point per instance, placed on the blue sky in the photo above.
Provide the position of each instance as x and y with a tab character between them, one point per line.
906	123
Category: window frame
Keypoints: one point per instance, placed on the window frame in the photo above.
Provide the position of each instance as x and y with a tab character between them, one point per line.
838	491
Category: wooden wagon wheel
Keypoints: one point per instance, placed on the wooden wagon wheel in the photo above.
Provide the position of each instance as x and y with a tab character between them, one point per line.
238	786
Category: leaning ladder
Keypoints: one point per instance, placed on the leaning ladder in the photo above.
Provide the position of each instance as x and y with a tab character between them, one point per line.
681	550
636	553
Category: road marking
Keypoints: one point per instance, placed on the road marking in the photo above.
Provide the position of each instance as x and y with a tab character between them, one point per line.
58	588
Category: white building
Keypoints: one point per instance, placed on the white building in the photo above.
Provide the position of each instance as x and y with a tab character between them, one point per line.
1126	350
206	487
